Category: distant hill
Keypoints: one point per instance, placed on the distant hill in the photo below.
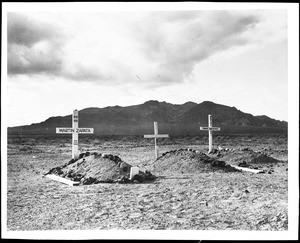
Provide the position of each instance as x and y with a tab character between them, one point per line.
182	119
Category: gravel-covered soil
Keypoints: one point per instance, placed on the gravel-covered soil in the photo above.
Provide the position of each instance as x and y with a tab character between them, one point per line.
188	192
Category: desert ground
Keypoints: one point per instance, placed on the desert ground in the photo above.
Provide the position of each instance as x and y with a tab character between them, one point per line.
175	200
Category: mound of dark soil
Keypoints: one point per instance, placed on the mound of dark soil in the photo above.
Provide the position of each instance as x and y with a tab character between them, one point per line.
189	161
93	168
247	157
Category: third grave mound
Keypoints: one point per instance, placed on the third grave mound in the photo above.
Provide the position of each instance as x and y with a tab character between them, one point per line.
246	157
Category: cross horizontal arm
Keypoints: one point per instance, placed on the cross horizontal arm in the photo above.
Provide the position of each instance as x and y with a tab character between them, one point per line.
210	128
156	136
74	130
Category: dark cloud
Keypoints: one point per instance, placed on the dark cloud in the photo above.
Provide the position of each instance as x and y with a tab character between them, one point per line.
168	45
36	48
22	30
177	45
33	47
24	60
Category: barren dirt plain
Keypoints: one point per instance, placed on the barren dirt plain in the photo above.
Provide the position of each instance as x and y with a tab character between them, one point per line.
176	200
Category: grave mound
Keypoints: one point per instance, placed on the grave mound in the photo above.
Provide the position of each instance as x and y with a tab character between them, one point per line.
92	168
189	161
247	157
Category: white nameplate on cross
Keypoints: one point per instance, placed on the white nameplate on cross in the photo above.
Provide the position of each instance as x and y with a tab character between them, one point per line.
74	131
155	136
210	128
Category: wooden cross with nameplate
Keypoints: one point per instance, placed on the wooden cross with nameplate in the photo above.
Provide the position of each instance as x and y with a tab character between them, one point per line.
74	131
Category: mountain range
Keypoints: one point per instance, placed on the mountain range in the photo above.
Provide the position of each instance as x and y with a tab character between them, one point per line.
173	119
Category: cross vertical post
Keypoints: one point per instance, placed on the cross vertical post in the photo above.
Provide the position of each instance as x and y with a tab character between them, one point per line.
155	136
209	134
210	129
155	141
75	120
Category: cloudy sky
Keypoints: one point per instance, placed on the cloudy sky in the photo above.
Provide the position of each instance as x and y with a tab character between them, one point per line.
60	61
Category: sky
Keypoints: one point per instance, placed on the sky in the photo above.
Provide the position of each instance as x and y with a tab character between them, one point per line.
58	61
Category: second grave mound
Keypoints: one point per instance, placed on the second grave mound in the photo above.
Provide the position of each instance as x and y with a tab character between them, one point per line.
189	161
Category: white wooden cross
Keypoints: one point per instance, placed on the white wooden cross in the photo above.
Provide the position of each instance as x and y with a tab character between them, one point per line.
155	136
210	128
75	131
